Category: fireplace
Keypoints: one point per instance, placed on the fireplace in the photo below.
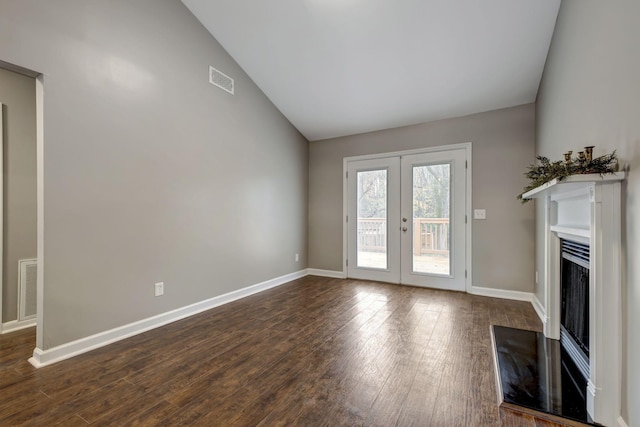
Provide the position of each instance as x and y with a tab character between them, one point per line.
549	375
580	283
574	304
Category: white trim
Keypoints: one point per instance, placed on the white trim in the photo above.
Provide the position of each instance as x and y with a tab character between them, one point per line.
43	358
65	351
326	273
469	225
539	308
1	215
552	254
591	396
345	212
621	422
580	178
501	293
40	209
460	146
16	325
514	296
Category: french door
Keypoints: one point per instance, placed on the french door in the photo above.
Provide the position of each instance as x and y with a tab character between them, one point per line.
406	219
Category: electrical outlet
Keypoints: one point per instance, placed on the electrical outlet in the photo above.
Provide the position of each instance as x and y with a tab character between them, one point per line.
297	257
159	287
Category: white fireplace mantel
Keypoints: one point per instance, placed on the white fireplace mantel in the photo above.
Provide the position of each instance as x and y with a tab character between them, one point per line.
587	209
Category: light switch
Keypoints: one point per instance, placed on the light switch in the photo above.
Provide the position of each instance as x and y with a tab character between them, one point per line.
479	214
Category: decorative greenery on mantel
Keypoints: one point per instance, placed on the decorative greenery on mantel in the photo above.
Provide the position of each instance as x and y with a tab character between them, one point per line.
584	163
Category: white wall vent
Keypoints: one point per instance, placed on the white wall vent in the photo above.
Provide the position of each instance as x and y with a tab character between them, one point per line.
27	288
220	79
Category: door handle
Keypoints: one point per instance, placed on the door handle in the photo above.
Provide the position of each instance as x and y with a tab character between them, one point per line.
404	228
404	219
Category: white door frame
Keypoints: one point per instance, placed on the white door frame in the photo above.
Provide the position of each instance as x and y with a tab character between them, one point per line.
1	213
40	211
467	146
39	82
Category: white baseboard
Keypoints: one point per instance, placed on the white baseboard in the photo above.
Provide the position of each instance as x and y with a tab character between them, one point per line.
501	293
621	422
326	273
539	308
65	351
15	325
591	398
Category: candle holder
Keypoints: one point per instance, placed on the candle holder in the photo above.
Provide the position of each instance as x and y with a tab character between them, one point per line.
581	156
567	157
588	152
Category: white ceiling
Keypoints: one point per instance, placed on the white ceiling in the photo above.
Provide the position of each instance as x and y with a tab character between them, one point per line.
340	67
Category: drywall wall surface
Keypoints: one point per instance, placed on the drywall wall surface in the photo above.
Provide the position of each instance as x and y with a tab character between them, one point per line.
503	145
590	95
151	174
18	94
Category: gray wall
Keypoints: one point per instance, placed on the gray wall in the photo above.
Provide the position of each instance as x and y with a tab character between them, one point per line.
150	173
18	94
503	145
590	95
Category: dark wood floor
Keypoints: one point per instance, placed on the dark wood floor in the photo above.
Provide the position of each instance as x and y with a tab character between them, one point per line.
312	352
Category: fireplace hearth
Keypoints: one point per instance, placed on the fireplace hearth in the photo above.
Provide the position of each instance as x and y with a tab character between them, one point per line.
538	374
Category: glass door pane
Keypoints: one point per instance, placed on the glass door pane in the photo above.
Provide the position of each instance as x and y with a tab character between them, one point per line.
431	218
372	219
433	230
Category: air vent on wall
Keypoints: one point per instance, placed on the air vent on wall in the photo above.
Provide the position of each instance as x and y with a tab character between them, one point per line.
27	274
220	79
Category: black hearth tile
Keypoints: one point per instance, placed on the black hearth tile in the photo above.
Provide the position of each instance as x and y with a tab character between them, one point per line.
537	374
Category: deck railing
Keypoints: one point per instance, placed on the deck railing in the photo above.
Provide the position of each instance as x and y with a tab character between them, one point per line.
430	235
372	234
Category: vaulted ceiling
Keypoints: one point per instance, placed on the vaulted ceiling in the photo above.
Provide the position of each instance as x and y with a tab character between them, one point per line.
341	67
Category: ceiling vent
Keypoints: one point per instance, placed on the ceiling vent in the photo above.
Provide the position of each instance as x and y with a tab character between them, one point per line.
220	79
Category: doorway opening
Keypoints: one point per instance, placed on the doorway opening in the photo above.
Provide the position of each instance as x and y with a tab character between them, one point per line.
27	282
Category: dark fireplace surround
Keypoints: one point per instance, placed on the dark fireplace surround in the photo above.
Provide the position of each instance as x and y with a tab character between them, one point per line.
574	303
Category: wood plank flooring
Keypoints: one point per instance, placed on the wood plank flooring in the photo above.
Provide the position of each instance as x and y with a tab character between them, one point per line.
313	352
